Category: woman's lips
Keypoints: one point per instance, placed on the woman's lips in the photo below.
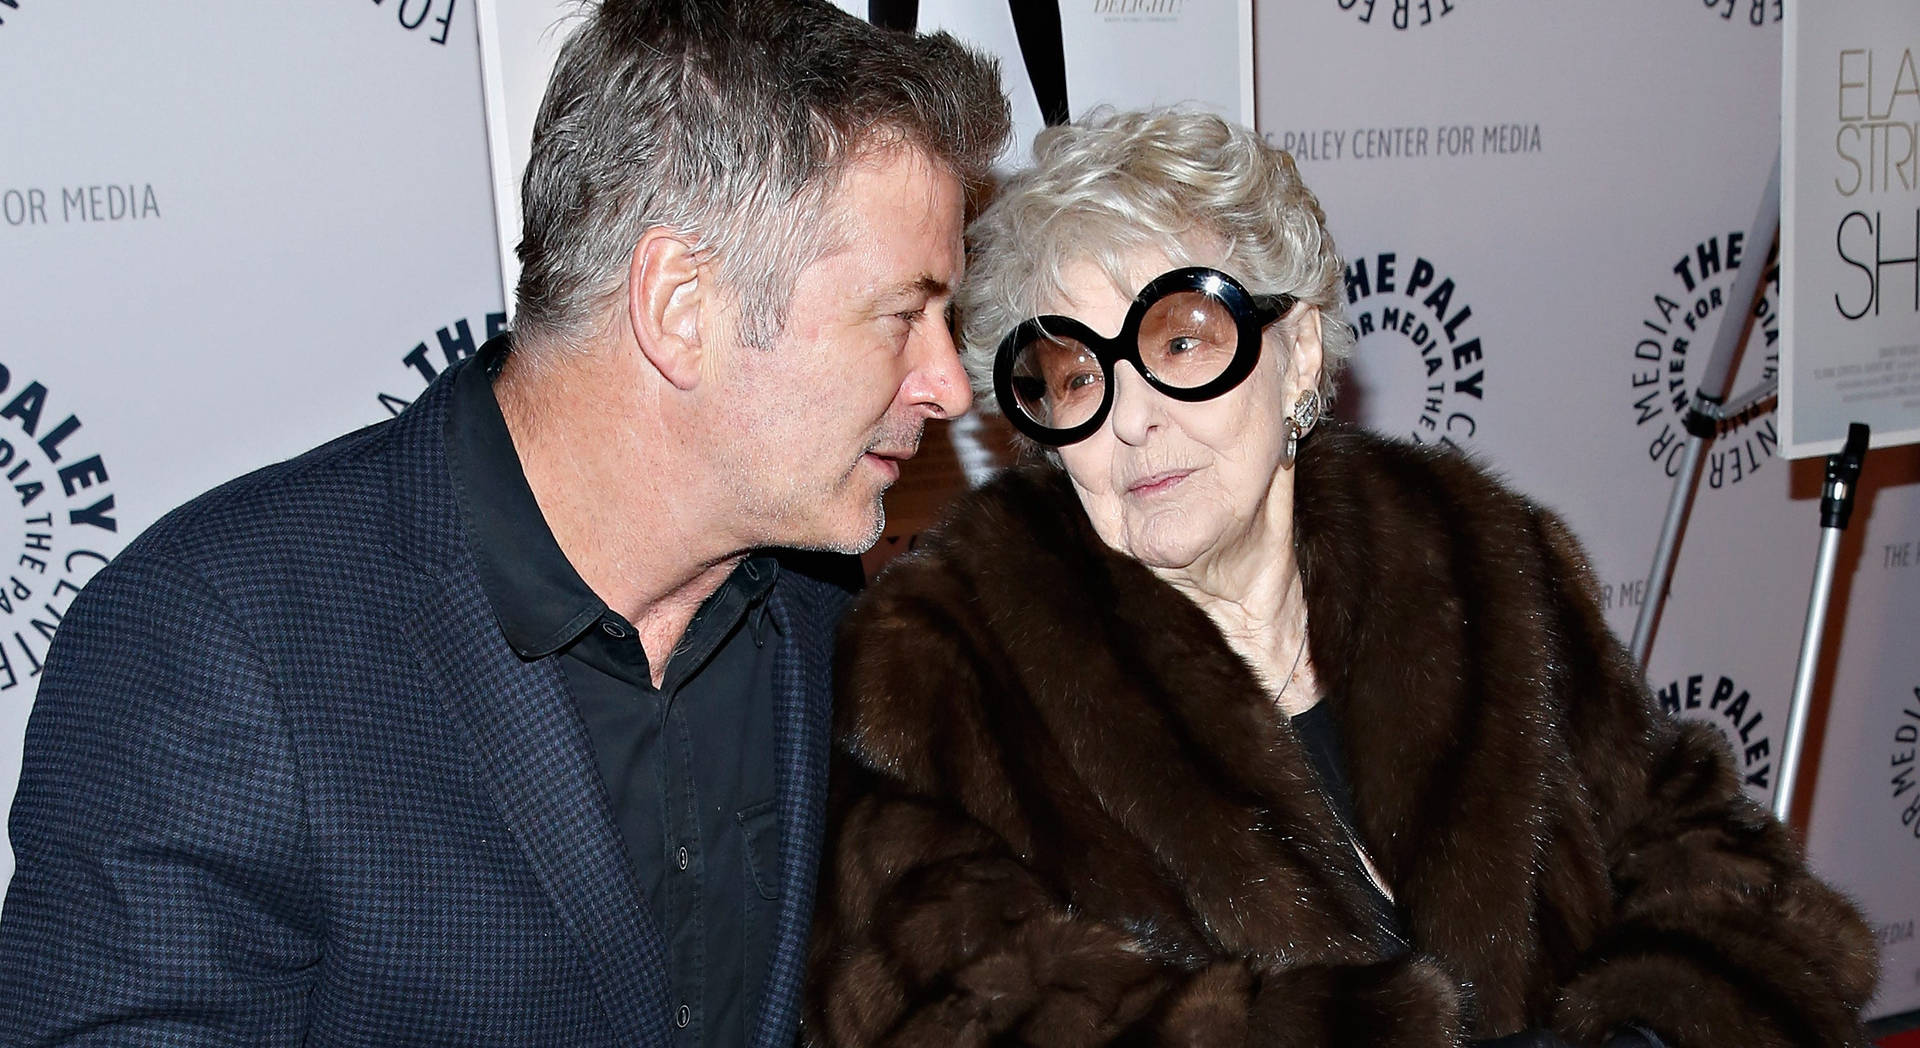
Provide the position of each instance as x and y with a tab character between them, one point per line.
1157	483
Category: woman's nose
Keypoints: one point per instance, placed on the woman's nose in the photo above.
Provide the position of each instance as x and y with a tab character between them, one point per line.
1136	405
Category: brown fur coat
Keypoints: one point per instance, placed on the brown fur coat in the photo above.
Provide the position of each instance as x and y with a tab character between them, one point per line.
1066	814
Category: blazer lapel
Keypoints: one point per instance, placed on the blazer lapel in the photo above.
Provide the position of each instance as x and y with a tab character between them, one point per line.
801	711
538	763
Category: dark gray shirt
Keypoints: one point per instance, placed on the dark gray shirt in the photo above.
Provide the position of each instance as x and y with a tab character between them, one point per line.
688	766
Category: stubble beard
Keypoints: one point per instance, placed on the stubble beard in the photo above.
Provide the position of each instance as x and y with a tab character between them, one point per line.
859	545
873	535
907	438
791	500
894	439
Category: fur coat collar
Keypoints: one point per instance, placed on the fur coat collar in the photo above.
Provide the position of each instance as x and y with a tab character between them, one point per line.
1085	738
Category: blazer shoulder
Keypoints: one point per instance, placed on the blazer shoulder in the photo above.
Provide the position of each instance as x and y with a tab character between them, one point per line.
273	503
333	507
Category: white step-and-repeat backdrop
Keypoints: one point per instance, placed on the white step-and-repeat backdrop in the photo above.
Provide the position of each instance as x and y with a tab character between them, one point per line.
232	230
1542	209
228	231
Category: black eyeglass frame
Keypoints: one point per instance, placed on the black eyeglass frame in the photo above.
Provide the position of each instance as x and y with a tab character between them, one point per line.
1251	314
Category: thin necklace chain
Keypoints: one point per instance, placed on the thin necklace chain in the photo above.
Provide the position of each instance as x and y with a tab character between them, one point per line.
1353	837
1298	654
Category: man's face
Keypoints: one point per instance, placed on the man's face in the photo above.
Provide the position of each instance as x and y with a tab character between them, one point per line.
826	415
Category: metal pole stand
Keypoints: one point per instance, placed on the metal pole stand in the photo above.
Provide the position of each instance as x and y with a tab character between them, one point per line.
1836	508
1710	407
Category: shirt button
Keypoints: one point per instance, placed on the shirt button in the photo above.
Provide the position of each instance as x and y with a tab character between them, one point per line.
613	629
682	1016
681	858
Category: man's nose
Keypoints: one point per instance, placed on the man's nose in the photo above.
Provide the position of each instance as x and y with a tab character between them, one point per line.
938	380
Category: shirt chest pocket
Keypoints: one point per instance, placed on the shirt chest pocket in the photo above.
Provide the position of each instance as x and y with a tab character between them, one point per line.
760	825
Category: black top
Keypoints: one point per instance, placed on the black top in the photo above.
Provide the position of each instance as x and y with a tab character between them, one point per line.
1321	740
688	766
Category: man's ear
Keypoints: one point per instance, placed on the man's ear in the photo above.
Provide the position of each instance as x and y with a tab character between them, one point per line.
665	301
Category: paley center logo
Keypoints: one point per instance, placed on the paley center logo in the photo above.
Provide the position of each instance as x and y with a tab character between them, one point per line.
1673	339
435	16
64	529
1905	774
1420	367
65	205
1400	14
1756	13
450	345
1903	787
1727	706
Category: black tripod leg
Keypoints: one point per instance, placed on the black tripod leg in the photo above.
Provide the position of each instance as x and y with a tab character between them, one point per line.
1037	24
894	14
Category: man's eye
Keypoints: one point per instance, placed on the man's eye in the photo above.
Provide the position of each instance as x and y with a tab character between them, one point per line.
1182	344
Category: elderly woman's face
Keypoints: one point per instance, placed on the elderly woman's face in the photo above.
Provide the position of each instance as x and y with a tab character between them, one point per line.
1171	483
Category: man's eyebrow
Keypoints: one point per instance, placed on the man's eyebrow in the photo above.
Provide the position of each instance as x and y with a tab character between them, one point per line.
925	286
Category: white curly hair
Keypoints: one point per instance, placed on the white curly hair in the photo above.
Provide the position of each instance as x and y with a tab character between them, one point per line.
1190	185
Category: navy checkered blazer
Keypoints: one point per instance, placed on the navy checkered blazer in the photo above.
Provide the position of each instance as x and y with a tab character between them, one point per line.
286	783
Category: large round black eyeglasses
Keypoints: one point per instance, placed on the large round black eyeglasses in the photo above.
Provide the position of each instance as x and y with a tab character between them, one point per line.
1193	334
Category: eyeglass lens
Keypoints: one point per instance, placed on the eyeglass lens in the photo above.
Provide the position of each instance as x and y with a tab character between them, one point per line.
1186	340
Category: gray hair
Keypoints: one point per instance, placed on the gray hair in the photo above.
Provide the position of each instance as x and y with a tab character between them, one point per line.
731	123
1190	185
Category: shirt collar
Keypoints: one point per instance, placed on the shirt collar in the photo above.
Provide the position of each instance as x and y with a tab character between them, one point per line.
540	601
756	576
